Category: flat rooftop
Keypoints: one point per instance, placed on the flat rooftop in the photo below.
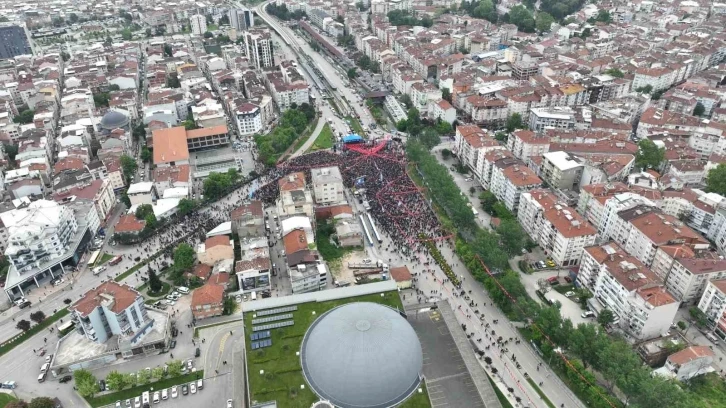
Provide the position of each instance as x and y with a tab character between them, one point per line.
77	347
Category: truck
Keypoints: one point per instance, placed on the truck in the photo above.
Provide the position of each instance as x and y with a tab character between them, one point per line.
97	270
368	264
115	260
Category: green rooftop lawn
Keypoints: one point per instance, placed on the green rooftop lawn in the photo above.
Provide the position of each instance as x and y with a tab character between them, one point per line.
5	399
283	373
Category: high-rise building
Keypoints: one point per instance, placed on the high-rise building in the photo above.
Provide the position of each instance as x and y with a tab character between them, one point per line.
199	24
259	48
14	40
241	19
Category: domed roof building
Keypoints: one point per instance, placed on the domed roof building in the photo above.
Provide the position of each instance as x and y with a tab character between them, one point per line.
114	120
362	355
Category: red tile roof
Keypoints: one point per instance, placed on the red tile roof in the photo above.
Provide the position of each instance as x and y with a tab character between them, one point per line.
209	294
117	297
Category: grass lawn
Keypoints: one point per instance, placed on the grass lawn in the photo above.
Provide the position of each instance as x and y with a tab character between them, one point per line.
283	374
356	127
212	27
134	392
418	399
324	140
103	259
5	399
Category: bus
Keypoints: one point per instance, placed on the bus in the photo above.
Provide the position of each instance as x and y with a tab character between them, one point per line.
65	328
375	230
365	230
94	257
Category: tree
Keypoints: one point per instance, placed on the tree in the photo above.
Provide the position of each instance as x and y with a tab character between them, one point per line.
157	373
143	377
145	154
183	257
185	206
644	89
143	210
445	154
114	87
352	73
544	21
486	10
443	127
224	20
155	284
585	341
131	379
17	404
168	51
649	156
173	81
407	101
37	317
716	180
501	136
522	18
100	99
446	94
603	16
229	305
488	199
699	110
126	34
148	32
85	382
189	124
208	34
73	18
116	381
512	235
125	199
175	368
128	166
606	317
430	137
23	325
25	117
514	122
614	72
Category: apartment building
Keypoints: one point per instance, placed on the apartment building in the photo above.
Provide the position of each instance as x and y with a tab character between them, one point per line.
111	309
558	229
541	119
328	185
241	19
248	220
470	142
249	119
525	144
686	273
198	23
258	44
717	232
485	164
622	284
511	178
616	214
713	304
648	231
208	301
562	170
14	40
592	199
295	198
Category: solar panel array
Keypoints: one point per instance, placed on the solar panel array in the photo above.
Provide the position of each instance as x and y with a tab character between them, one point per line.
272	318
261	344
273	325
276	311
260	335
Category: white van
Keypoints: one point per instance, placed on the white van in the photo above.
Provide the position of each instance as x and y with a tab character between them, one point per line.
41	377
182	289
145	397
253	295
156	397
44	367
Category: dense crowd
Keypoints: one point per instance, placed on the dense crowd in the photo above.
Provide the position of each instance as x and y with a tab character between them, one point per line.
396	203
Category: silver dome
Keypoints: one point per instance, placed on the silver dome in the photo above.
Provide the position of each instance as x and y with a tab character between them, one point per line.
362	355
114	120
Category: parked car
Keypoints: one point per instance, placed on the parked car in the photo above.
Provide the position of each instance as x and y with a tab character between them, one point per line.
172	344
229	403
65	379
174	392
193	388
165	394
200	384
137	402
588	313
570	294
185	389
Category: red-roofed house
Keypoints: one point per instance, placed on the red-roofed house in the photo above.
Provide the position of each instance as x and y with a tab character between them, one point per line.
108	310
129	224
628	288
688	363
402	276
208	301
215	249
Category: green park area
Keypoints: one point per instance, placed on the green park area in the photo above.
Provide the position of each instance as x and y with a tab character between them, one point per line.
325	139
283	374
